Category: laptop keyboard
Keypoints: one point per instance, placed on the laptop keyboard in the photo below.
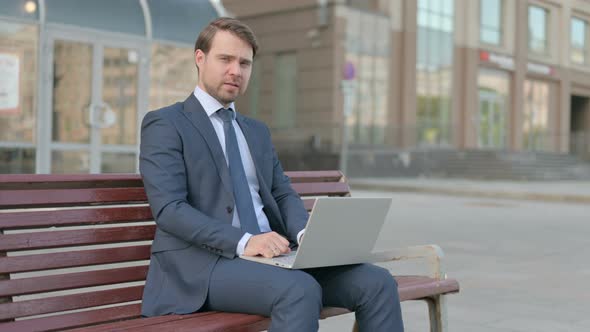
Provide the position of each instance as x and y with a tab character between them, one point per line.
287	259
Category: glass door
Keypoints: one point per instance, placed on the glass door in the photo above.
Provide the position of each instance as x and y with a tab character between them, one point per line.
93	98
491	120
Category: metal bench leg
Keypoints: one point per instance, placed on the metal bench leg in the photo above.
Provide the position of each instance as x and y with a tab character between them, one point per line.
437	311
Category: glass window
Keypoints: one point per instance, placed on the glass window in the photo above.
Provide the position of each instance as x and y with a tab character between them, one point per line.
17	160
538	29
180	20
579	45
66	162
110	15
72	71
369	52
118	162
119	93
27	9
535	130
490	19
18	96
434	72
286	90
173	74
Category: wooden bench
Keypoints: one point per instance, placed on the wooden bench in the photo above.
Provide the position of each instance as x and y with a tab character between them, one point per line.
74	253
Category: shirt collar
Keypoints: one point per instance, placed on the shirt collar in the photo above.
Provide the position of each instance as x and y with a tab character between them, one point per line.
210	104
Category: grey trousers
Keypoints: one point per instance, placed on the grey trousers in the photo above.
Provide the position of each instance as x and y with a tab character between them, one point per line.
294	298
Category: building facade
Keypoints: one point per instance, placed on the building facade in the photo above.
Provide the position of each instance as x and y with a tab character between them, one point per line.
508	75
77	76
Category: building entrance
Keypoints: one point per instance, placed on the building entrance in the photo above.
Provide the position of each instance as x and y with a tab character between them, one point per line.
92	100
580	126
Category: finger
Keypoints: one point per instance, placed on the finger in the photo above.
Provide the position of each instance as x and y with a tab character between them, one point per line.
267	253
278	237
280	246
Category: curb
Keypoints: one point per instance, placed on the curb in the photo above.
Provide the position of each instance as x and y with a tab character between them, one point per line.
560	198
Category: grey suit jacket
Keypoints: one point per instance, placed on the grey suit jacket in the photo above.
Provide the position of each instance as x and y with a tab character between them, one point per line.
189	189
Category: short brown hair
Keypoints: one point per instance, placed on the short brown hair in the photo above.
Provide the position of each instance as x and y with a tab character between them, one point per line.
232	25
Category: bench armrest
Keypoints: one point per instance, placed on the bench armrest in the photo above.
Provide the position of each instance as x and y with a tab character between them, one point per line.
432	253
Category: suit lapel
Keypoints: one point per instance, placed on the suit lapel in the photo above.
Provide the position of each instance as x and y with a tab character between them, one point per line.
198	117
255	145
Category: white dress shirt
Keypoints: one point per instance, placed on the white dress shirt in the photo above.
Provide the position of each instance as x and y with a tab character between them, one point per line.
211	106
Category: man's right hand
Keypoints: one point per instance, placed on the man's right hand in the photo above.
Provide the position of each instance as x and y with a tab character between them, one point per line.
267	244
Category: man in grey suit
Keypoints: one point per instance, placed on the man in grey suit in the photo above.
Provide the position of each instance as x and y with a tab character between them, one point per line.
217	190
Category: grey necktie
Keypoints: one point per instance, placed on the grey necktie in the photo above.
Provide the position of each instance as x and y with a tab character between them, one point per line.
244	204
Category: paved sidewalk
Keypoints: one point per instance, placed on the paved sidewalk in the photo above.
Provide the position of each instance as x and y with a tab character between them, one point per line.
551	191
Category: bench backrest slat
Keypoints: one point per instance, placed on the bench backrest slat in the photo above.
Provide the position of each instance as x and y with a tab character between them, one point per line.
61	282
54	239
60	260
74	217
322	189
99	221
69	302
68	197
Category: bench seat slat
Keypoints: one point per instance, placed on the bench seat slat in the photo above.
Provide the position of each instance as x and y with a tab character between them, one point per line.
70	197
54	239
139	323
28	263
221	321
69	302
74	217
322	189
51	283
73	320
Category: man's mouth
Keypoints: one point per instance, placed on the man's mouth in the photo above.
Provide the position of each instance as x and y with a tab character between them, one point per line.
236	85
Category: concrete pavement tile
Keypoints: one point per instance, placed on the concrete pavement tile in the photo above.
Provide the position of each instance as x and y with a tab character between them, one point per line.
534	324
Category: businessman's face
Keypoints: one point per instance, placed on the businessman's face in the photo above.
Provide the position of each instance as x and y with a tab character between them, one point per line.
225	70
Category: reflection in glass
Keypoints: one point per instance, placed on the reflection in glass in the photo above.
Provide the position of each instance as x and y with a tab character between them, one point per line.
17	161
27	9
77	161
72	79
118	162
535	128
538	29
578	40
173	75
118	117
368	50
494	100
490	14
18	54
434	73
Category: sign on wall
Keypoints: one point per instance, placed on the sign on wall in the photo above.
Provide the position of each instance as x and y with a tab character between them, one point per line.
9	83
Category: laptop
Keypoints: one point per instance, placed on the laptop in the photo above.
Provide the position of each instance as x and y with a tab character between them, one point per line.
340	231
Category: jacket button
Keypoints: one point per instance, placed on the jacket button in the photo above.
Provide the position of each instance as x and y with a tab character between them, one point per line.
229	209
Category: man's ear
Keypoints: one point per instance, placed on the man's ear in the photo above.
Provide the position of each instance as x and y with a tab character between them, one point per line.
199	57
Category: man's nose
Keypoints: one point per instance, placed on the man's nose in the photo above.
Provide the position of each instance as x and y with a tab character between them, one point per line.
235	69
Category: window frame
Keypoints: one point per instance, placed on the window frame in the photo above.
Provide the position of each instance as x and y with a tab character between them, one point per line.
501	25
